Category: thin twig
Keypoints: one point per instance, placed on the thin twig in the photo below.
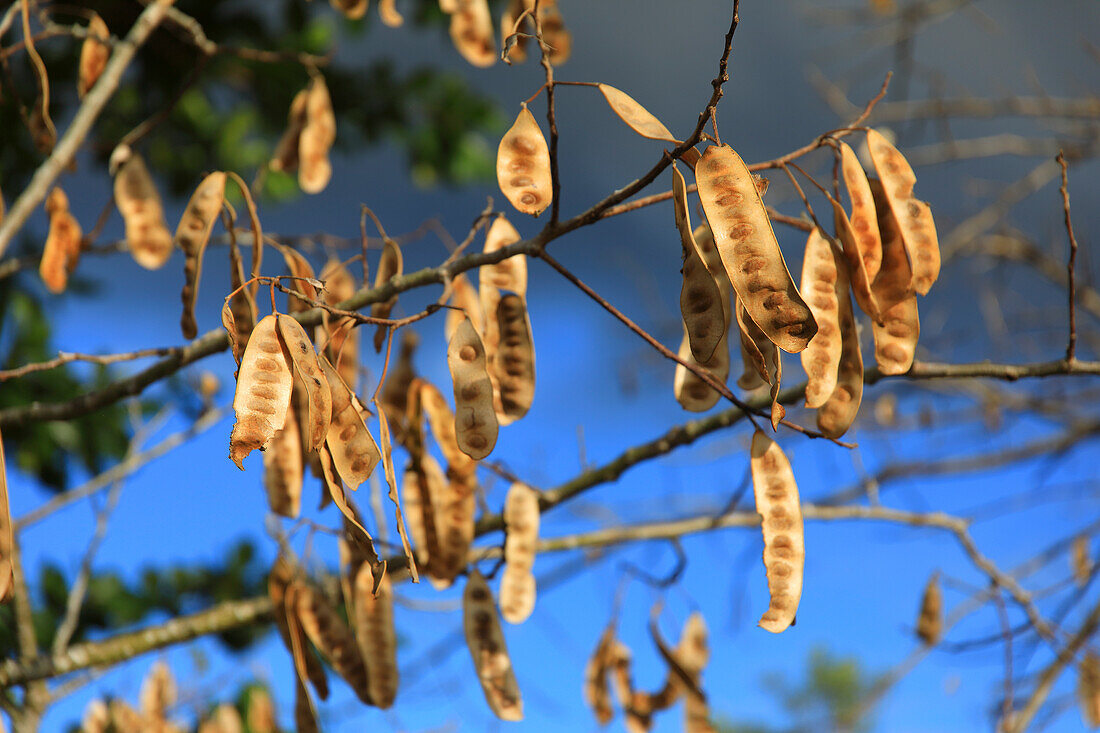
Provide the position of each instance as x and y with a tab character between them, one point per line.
1071	348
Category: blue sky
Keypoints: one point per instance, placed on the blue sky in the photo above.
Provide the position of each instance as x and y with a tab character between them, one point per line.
863	580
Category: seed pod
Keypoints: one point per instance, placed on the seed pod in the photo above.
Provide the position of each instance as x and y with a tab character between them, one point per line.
375	633
1088	689
391	480
691	392
96	719
229	323
514	364
7	536
896	339
332	638
517	53
395	391
283	470
308	369
281	591
861	283
314	168
299	267
864	221
508	274
637	117
260	713
137	200
821	357
124	719
838	412
354	452
343	339
62	249
554	32
390	265
263	391
387	11
453	506
352	9
191	236
158	691
472	31
305	716
749	250
442	423
894	282
94	54
517	585
523	165
930	621
700	299
1081	562
224	719
242	305
465	297
488	650
285	157
914	217
475	421
784	548
597	694
765	357
423	482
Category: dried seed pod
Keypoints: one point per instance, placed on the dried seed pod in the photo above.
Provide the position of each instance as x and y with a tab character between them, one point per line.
508	274
894	282
158	691
1080	561
390	265
517	52
7	536
472	31
423	486
281	591
343	337
305	716
332	638
124	719
96	719
387	11
391	480
395	391
263	391
821	357
94	54
637	117
597	693
691	392
318	134
475	421
749	250
453	506
465	297
765	357
442	422
864	221
700	299
242	304
930	621
514	363
488	650
376	635
308	368
300	269
62	249
1088	689
229	323
285	157
137	200
521	521
554	32
523	165
224	719
784	547
862	287
260	713
283	470
839	411
914	217
896	338
192	234
353	9
354	452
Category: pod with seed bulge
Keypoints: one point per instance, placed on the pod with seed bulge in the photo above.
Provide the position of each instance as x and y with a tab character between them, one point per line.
763	353
332	638
376	635
749	250
464	296
354	452
778	504
894	282
453	506
861	283
839	411
472	31
94	54
637	117
521	522
475	420
515	358
821	357
485	640
864	221
897	331
192	236
283	470
136	197
441	420
896	338
285	157
312	376
523	165
62	249
700	299
263	391
691	392
318	135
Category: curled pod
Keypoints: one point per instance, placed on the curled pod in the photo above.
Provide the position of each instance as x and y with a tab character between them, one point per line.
521	522
930	620
332	638
693	394
896	337
453	506
375	633
343	338
285	157
914	217
318	135
750	253
864	220
192	235
7	535
894	282
283	470
523	165
354	452
762	354
475	420
839	411
778	504
1080	560
391	481
597	693
821	357
264	383
514	364
94	54
313	378
390	265
442	423
62	249
861	283
485	641
472	31
701	302
464	296
1088	689
158	692
387	11
139	203
352	9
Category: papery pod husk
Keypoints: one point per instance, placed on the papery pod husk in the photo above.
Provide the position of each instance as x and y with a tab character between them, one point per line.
861	283
839	411
1081	561
637	117
124	719
376	635
597	692
894	282
523	165
391	481
299	267
691	392
62	248
192	236
391	265
514	362
262	397
395	391
701	301
352	9
930	620
96	718
472	32
139	203
762	353
441	420
158	691
318	135
453	512
464	296
821	357
260	711
354	450
242	305
283	470
517	583
285	157
517	54
476	425
488	650
278	585
342	336
863	219
312	378
332	638
94	55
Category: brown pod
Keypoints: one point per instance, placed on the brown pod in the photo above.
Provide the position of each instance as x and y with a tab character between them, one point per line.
749	250
764	357
441	420
94	54
472	31
7	535
1088	689
395	390
158	692
514	364
839	411
896	338
314	168
242	305
283	470
464	296
391	481
352	9
332	638
864	221
894	282
691	392
343	336
192	234
637	117
96	718
313	378
523	165
521	522
262	398
701	304
1080	560
285	157
508	274
821	357
387	11
914	217
354	451
554	32
137	200
485	640
305	716
517	53
597	693
223	719
375	633
778	504
390	265
862	287
62	249
283	604
260	712
300	269
423	487
453	507
930	620
475	420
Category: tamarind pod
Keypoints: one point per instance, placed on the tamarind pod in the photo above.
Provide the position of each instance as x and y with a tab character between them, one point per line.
839	411
391	480
7	535
700	298
862	288
192	235
930	620
354	452
763	352
864	221
472	31
285	157
136	196
521	521
488	650
375	633
283	470
465	297
299	267
390	265
286	621
896	337
94	54
332	638
914	217
352	9
318	134
387	11
453	506
749	250
314	379
62	249
821	357
442	423
475	420
597	693
514	362
523	165
263	391
778	504
691	392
